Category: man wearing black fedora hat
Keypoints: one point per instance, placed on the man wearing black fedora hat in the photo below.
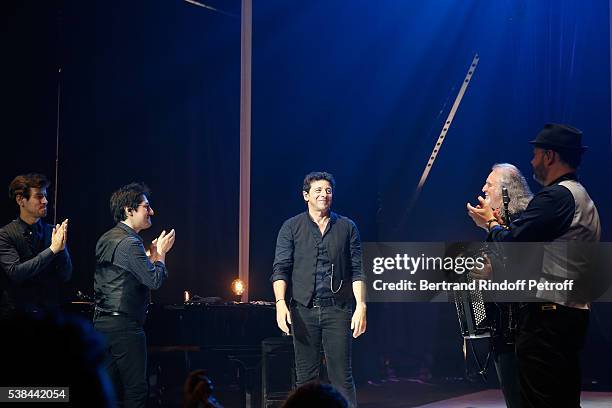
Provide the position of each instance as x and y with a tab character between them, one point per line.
552	331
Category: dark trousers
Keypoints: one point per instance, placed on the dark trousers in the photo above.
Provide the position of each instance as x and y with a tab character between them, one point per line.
506	366
126	358
329	327
548	346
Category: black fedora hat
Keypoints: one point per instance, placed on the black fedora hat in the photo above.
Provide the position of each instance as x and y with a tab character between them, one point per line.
556	136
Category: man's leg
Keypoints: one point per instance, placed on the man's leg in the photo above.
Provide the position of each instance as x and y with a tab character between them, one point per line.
506	366
131	357
548	350
128	358
112	370
306	342
109	329
337	341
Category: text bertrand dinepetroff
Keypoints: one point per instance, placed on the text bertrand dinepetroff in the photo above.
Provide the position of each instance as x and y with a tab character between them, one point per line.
459	265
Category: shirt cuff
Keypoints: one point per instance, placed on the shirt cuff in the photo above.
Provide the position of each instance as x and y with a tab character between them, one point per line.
279	276
48	253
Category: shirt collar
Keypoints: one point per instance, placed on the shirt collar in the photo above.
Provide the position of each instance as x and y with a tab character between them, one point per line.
566	176
36	227
128	229
333	217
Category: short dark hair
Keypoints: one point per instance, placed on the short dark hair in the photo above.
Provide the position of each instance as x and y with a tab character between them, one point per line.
22	184
316	176
129	196
316	394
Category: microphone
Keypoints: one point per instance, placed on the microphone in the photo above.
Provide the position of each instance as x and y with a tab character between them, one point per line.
506	202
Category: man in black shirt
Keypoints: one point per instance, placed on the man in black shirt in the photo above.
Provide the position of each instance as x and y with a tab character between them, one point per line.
124	275
34	259
318	253
552	332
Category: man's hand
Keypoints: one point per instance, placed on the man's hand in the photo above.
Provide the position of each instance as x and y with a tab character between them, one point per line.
481	213
358	322
152	252
283	316
498	216
484	273
164	243
59	237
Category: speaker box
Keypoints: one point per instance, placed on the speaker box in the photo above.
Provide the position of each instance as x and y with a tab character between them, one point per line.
277	370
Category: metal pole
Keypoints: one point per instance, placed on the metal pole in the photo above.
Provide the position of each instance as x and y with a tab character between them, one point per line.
245	144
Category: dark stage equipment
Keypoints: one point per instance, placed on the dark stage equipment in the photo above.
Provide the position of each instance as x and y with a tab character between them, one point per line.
226	341
277	370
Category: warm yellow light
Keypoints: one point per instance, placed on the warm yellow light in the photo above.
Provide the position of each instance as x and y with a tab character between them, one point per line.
238	287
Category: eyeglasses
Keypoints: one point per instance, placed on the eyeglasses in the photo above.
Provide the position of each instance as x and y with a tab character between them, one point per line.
147	207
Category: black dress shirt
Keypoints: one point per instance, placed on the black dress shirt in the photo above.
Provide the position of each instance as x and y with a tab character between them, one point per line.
31	272
297	252
131	256
324	269
547	217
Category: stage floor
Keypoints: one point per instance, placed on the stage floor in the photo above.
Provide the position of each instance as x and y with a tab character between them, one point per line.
404	393
495	399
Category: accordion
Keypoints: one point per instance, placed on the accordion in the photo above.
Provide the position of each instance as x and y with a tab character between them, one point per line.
479	317
475	316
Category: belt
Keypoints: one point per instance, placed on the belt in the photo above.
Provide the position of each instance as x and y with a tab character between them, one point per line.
323	302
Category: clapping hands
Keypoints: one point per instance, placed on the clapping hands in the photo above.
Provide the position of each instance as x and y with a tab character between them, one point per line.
59	237
161	245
